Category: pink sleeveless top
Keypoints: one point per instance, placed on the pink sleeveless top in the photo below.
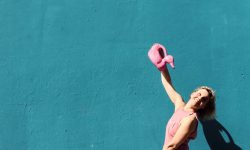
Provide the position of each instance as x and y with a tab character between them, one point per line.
173	125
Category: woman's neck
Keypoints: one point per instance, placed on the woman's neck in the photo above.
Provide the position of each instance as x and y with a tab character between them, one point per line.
189	108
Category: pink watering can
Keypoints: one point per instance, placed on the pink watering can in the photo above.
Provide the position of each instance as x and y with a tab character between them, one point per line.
159	57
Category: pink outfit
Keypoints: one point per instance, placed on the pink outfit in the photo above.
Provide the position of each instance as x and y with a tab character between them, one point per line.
173	125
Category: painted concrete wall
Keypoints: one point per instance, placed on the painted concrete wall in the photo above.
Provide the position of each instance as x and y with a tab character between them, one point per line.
75	74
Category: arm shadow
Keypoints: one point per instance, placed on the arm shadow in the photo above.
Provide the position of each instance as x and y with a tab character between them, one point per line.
218	138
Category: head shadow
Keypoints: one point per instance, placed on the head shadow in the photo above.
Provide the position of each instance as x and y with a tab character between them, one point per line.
217	136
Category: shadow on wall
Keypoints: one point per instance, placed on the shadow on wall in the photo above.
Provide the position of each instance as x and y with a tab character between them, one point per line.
218	138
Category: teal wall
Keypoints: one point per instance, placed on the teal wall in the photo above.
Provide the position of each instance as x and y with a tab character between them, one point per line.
75	74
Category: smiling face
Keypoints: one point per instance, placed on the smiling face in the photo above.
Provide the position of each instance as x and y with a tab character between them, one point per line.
199	99
202	101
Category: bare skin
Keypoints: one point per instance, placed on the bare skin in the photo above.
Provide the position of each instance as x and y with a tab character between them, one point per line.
198	100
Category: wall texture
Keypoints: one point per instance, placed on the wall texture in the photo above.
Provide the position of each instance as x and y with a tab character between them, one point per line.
75	74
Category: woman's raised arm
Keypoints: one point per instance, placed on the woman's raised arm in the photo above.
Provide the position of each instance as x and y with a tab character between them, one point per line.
174	96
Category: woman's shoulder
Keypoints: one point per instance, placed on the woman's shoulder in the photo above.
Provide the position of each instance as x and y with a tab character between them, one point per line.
179	107
192	116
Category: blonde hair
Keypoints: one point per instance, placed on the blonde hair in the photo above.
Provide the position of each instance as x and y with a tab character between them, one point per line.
209	111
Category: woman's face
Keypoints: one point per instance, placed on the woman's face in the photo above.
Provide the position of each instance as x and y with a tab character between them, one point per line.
199	98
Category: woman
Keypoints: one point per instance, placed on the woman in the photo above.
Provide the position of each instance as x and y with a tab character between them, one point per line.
182	126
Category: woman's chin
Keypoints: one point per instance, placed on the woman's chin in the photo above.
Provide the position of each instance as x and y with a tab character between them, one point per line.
196	107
